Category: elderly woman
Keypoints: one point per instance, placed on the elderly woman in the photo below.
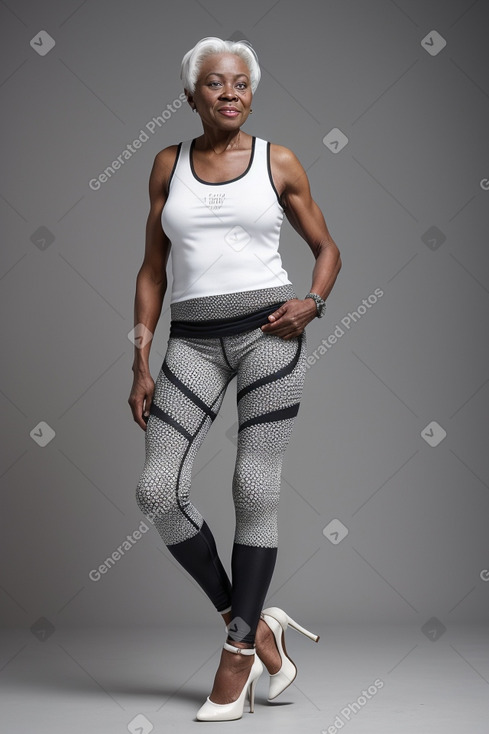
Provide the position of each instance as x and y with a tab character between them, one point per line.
217	202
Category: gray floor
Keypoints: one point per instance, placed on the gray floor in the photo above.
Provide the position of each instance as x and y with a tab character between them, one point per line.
98	680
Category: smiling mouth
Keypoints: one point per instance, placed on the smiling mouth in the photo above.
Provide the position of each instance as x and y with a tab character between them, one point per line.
227	112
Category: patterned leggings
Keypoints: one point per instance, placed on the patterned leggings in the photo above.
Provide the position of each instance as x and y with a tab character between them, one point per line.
188	393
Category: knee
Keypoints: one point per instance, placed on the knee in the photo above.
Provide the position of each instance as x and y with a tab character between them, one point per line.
256	507
156	495
256	492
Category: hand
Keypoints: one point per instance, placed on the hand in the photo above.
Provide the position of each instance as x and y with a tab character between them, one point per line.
141	396
290	319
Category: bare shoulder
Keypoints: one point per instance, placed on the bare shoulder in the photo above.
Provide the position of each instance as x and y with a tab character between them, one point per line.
287	170
283	157
160	174
167	156
165	160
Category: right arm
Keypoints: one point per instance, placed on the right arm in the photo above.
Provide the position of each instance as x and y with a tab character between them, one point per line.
151	283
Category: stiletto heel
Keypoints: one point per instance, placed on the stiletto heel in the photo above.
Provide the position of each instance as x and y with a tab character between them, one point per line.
278	621
211	711
296	626
251	694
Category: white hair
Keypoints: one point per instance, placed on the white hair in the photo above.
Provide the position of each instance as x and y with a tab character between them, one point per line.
192	60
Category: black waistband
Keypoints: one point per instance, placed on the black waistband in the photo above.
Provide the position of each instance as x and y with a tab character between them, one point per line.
223	327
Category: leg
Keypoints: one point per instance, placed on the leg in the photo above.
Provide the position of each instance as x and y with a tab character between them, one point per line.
188	394
270	380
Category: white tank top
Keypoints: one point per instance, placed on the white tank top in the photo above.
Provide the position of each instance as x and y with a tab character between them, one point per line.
224	236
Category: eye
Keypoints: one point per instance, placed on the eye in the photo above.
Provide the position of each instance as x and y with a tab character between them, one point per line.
215	83
241	85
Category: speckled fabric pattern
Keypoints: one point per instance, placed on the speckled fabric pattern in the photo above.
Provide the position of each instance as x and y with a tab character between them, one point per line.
229	304
189	391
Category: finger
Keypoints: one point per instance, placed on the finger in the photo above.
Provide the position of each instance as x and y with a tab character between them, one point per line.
141	423
138	417
137	414
147	407
277	327
277	314
272	328
282	330
275	324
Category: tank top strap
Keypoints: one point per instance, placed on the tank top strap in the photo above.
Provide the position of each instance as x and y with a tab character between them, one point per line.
182	161
260	163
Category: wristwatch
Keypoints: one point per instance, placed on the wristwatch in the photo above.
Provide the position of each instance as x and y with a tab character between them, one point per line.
320	304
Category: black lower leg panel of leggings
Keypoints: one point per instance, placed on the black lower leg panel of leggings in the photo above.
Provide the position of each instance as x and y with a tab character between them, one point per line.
198	555
252	569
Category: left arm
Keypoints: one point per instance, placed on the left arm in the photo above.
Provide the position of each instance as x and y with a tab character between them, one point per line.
307	219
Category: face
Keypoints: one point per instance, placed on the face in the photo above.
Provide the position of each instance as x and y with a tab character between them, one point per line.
223	91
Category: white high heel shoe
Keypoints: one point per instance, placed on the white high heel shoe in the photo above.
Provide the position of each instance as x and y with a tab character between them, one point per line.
211	711
278	621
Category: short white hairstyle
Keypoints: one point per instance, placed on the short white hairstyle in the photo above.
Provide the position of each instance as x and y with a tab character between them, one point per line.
193	59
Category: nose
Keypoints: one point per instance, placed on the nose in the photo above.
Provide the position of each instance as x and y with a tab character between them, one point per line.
228	92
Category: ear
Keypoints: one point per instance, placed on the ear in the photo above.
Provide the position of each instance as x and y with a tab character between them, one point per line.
190	98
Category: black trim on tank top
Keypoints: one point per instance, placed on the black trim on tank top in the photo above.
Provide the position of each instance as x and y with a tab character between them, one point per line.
221	183
269	167
177	157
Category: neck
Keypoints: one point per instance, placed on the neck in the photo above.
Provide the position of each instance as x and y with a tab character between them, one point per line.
219	140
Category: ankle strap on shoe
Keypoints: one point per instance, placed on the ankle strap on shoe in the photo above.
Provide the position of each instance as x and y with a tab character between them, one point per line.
239	650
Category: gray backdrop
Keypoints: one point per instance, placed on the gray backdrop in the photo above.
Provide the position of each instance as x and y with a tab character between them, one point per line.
385	494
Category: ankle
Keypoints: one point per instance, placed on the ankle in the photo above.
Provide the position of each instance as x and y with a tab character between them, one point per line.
263	631
241	644
227	617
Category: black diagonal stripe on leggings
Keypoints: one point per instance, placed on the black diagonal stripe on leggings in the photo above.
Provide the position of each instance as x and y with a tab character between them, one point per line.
163	416
275	375
274	415
159	413
187	391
